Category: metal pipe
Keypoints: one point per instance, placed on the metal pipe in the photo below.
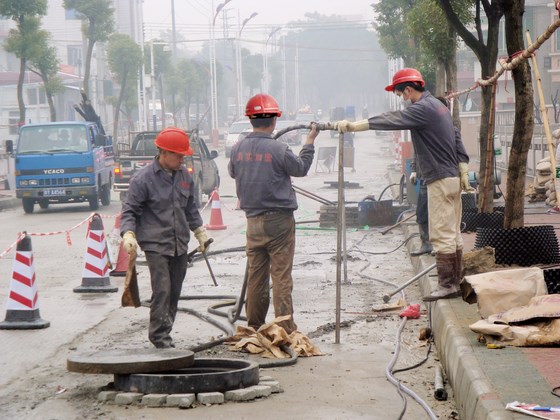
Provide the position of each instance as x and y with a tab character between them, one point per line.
309	194
387	297
440	393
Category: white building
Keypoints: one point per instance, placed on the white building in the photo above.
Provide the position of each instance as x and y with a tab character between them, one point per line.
67	37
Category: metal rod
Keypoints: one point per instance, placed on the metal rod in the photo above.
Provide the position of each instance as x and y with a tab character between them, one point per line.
339	229
440	393
387	297
313	195
386	230
210	269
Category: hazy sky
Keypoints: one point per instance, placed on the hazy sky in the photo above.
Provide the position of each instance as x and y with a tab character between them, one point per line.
192	17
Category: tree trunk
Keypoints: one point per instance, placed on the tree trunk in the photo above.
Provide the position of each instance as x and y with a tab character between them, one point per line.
118	106
21	103
161	101
523	126
49	96
89	55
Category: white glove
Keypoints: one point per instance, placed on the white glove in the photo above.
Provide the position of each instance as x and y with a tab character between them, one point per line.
464	175
345	126
201	237
129	242
413	178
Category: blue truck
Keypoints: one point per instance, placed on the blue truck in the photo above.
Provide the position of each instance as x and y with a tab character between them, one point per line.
63	162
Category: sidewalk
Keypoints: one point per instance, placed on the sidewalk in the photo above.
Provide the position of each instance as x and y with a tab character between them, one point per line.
485	380
8	199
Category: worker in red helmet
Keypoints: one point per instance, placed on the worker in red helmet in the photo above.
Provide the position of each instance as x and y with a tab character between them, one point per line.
158	214
441	163
262	168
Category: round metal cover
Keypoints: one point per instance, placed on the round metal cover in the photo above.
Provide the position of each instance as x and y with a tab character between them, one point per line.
205	375
126	361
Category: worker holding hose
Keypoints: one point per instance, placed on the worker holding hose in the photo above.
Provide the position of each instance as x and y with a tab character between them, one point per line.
262	168
159	213
434	140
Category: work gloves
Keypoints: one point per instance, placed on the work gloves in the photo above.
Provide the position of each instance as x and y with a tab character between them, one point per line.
201	237
464	176
413	178
345	126
129	242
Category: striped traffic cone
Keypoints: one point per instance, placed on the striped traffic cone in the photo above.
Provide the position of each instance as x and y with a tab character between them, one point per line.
216	222
23	299
95	277
123	257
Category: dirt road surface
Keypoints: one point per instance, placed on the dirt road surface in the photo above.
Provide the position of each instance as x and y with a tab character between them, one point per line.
348	382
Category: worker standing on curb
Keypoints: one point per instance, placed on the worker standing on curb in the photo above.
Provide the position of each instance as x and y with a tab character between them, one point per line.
158	213
262	168
434	140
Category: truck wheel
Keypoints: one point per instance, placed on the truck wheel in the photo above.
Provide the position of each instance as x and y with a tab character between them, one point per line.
44	204
106	194
93	202
28	205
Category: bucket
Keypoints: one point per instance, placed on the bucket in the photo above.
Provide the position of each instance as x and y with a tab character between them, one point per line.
375	213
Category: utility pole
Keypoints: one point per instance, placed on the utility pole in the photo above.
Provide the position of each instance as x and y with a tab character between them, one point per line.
174	56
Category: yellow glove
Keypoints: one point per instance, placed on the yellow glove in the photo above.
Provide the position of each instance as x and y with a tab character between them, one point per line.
201	237
345	126
129	242
413	178
464	175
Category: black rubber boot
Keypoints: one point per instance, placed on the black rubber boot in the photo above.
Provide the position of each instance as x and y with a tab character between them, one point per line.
447	278
426	247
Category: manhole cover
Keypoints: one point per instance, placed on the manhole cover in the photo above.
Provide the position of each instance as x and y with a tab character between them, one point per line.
205	375
126	361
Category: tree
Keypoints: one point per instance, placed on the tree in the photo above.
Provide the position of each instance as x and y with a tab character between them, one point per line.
162	65
484	44
97	25
124	57
524	123
22	41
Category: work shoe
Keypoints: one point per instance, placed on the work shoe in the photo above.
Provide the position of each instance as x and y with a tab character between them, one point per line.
442	293
426	247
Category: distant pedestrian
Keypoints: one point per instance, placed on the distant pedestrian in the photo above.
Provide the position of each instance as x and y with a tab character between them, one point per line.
262	168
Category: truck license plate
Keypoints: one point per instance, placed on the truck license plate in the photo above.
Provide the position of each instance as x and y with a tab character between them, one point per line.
54	191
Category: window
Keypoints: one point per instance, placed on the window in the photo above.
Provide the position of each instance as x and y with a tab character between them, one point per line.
72	14
75	55
13	122
32	96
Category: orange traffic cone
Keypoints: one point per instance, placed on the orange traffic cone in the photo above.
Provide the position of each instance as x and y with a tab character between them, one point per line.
95	277
216	222
23	303
123	257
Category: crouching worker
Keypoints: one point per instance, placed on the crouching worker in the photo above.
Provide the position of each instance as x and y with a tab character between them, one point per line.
262	168
158	213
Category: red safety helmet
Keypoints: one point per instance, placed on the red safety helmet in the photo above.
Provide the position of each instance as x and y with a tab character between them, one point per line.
405	75
262	106
174	140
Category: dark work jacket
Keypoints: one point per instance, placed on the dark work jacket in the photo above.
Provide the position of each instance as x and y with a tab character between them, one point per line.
262	167
160	210
433	136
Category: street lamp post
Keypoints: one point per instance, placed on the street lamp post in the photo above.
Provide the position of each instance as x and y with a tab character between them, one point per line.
265	59
213	83
239	68
153	73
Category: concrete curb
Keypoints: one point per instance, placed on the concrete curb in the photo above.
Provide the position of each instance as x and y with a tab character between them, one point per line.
8	202
473	391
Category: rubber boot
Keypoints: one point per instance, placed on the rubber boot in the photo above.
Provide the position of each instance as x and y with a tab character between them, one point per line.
426	247
447	278
459	266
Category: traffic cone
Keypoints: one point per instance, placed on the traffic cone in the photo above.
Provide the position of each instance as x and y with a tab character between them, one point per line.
216	222
95	277
23	299
123	257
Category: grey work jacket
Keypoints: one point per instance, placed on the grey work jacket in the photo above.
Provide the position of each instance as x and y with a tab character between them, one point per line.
262	167
161	210
433	136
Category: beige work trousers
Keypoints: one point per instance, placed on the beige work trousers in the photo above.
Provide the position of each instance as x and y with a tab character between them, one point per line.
444	215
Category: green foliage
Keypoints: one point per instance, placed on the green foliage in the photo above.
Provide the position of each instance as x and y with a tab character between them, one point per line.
124	56
395	36
46	64
97	18
17	9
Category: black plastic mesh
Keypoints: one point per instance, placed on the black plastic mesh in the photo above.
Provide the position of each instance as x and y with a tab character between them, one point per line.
524	246
471	219
552	280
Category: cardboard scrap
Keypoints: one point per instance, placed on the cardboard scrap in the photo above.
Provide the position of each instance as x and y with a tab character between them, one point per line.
268	340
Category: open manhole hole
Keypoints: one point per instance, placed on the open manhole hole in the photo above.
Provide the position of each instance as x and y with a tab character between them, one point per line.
204	375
